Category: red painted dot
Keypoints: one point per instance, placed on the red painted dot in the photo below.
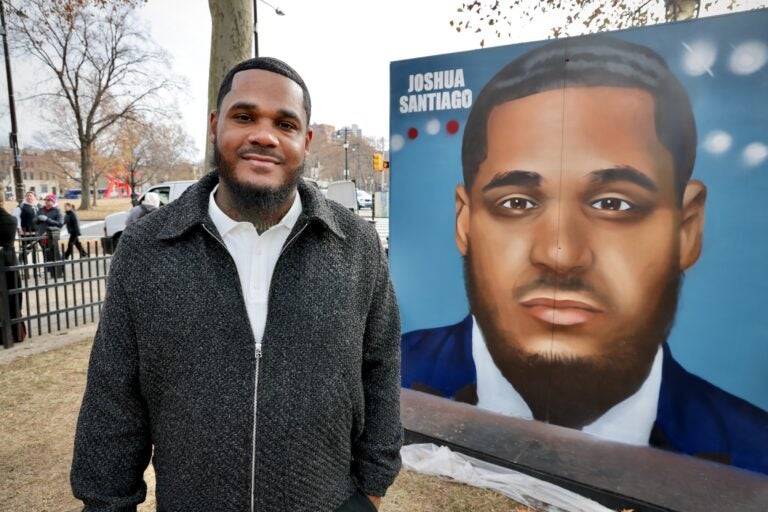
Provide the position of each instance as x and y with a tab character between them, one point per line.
452	127
413	133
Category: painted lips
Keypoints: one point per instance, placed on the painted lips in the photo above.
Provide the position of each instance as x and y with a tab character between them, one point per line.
560	312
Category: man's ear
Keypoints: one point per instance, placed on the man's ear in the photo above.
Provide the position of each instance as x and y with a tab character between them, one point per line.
308	142
462	219
213	121
692	223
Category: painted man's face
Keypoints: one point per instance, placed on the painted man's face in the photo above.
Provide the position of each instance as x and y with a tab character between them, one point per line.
574	240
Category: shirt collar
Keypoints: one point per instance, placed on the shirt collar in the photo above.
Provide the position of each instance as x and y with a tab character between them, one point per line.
629	421
225	224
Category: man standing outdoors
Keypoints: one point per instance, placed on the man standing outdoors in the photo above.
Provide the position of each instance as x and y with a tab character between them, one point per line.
249	343
576	220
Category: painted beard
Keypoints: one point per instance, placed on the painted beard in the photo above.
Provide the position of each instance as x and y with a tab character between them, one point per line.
263	202
574	391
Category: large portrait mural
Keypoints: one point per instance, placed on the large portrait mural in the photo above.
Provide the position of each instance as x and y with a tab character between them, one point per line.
579	232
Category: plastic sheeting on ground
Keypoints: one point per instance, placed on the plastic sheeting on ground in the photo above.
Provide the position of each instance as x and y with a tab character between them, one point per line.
440	461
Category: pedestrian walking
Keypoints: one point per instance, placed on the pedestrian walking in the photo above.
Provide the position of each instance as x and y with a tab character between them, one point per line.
249	344
73	227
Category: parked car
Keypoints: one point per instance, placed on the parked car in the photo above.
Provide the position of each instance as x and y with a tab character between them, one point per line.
114	224
364	199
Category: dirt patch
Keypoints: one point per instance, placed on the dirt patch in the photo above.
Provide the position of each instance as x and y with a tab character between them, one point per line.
40	400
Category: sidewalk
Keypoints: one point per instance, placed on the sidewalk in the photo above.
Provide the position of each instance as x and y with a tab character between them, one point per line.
47	342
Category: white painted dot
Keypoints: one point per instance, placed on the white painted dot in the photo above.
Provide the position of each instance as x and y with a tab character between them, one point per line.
699	57
749	57
396	143
432	127
754	154
717	142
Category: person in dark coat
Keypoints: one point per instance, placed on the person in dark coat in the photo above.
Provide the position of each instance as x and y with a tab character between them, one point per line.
8	226
73	226
49	218
28	212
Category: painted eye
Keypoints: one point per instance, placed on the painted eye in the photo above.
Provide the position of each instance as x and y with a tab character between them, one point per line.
518	203
612	204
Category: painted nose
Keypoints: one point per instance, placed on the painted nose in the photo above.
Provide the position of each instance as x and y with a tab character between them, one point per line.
561	244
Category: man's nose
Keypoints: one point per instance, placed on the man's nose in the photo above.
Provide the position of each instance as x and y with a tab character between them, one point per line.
561	242
263	133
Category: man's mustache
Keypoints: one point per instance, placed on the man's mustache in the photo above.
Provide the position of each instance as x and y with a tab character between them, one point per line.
261	151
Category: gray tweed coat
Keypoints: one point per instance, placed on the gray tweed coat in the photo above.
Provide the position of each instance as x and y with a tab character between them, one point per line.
173	369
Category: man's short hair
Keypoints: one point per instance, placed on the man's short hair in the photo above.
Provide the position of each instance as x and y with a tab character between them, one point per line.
588	61
267	64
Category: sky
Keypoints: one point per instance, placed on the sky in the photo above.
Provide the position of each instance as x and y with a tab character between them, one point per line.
342	49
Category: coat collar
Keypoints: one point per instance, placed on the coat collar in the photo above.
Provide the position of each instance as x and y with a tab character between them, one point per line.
191	209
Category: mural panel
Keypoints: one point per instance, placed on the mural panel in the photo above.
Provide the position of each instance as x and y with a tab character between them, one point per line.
579	232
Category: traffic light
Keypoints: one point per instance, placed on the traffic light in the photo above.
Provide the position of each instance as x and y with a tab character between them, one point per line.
378	162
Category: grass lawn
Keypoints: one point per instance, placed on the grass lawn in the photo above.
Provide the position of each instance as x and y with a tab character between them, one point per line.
40	402
103	207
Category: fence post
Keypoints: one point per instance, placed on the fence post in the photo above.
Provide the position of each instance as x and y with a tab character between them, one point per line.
52	253
5	305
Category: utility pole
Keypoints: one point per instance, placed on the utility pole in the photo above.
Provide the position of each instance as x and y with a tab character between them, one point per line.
13	139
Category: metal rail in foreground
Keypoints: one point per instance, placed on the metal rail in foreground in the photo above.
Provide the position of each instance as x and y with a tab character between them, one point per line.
44	293
616	475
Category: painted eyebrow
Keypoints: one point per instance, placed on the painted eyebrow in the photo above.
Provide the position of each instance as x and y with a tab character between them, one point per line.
525	179
247	105
623	173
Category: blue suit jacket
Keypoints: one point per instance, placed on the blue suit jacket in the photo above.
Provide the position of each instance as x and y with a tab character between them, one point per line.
693	417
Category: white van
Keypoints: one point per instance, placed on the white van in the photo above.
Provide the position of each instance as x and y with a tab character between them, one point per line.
114	223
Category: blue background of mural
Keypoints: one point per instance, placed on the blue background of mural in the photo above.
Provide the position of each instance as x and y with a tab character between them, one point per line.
721	331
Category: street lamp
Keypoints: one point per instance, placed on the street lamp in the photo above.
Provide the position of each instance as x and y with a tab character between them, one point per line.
346	160
256	24
14	142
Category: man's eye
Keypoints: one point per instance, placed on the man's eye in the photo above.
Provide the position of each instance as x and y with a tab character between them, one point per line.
612	204
242	117
518	203
287	126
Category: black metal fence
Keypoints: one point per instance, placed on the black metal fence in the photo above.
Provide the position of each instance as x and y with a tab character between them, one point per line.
44	293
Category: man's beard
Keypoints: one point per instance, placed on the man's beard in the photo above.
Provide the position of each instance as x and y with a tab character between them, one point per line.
567	390
261	202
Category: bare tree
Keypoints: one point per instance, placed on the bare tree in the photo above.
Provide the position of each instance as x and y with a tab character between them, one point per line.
104	67
147	151
499	19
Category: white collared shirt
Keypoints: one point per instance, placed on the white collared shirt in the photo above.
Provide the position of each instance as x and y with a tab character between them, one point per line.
255	256
629	421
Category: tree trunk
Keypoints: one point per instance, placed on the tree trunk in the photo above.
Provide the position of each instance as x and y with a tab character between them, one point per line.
678	10
85	176
231	42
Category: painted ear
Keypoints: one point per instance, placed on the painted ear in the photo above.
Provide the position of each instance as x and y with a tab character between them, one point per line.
212	128
692	223
462	219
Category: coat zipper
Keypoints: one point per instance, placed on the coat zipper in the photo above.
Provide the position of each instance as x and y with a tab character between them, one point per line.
257	355
253	438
